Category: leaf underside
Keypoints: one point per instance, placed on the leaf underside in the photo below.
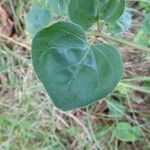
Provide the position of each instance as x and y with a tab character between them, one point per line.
74	73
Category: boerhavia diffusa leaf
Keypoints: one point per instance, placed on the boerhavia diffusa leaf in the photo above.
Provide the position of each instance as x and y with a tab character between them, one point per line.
83	12
74	73
87	12
36	19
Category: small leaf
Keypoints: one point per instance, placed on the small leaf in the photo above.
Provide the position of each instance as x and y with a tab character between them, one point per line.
74	73
117	110
146	26
112	10
121	25
83	12
36	19
125	132
122	89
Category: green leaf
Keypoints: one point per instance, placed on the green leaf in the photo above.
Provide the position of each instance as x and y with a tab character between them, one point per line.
122	89
121	25
74	73
59	6
87	12
125	132
112	10
146	26
101	4
36	19
83	12
117	110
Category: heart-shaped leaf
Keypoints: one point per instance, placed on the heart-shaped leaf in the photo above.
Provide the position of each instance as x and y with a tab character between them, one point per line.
74	73
83	12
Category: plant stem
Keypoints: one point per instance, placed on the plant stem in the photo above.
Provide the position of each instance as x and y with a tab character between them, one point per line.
121	41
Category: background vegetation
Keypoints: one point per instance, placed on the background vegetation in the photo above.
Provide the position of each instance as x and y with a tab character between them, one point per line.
30	121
